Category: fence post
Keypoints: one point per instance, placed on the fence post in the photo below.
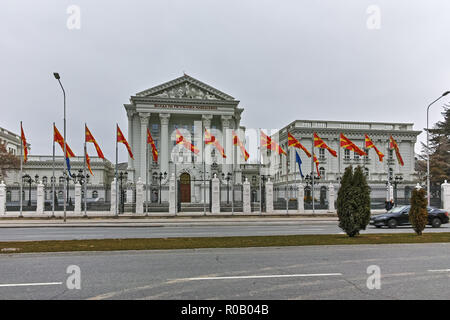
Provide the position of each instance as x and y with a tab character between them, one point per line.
139	196
301	198
445	195
40	198
246	197
2	198
331	194
269	196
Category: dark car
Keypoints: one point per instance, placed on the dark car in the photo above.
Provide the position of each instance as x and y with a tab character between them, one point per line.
398	216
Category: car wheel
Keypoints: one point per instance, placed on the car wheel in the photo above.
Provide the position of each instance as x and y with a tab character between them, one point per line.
436	223
392	223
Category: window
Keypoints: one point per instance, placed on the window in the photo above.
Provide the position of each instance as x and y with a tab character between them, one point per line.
322	154
60	194
61	180
355	156
155	128
391	173
366	150
94	194
8	196
366	172
391	154
347	154
44	179
322	172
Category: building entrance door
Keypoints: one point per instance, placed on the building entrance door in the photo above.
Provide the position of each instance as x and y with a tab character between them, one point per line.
185	187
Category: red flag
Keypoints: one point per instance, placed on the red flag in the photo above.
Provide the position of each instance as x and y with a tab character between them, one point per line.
57	137
369	144
90	138
292	142
239	143
121	138
317	165
152	143
319	143
180	139
88	163
393	145
209	139
346	143
24	143
267	142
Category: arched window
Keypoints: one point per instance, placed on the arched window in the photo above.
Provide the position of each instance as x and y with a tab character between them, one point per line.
322	172
44	179
61	180
60	194
94	194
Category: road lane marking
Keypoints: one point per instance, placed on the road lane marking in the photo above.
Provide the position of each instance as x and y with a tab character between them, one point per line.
263	276
441	270
30	284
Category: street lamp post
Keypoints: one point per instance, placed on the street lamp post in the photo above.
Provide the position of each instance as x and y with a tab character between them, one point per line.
83	180
122	176
228	178
395	181
28	179
160	176
57	77
428	149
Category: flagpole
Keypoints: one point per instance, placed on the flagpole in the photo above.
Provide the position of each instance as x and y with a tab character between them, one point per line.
232	177
204	173
287	182
260	163
21	177
53	174
116	176
146	179
312	175
339	159
84	173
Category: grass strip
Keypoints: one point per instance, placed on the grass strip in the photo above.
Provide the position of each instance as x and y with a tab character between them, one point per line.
215	242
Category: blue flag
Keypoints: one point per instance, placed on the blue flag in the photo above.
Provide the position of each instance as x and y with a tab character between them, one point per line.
299	161
68	165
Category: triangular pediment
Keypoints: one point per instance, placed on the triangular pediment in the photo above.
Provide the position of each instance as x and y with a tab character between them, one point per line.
185	87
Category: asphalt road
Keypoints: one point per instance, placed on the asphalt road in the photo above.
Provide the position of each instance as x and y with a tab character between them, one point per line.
260	229
408	271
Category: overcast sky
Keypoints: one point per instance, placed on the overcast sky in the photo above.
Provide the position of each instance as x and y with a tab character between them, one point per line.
284	60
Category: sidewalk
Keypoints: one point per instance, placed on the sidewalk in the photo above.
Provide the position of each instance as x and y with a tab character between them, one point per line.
105	219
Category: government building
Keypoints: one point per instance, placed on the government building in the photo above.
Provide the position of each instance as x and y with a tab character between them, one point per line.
182	109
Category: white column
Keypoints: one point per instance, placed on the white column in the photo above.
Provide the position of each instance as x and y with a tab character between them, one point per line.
172	199
143	146
246	197
215	196
164	142
77	209
269	196
445	195
2	198
113	197
301	198
331	194
130	114
139	197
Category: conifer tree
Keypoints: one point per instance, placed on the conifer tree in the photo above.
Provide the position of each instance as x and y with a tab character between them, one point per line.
363	198
418	214
346	204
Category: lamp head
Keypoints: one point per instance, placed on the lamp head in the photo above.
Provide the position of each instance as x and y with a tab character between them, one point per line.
56	75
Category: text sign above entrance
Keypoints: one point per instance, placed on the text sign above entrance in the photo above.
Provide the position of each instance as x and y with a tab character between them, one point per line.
171	106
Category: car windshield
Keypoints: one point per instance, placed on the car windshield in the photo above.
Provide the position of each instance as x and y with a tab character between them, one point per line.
397	209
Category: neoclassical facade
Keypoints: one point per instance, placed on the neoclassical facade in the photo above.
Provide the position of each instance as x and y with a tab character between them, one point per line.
190	106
